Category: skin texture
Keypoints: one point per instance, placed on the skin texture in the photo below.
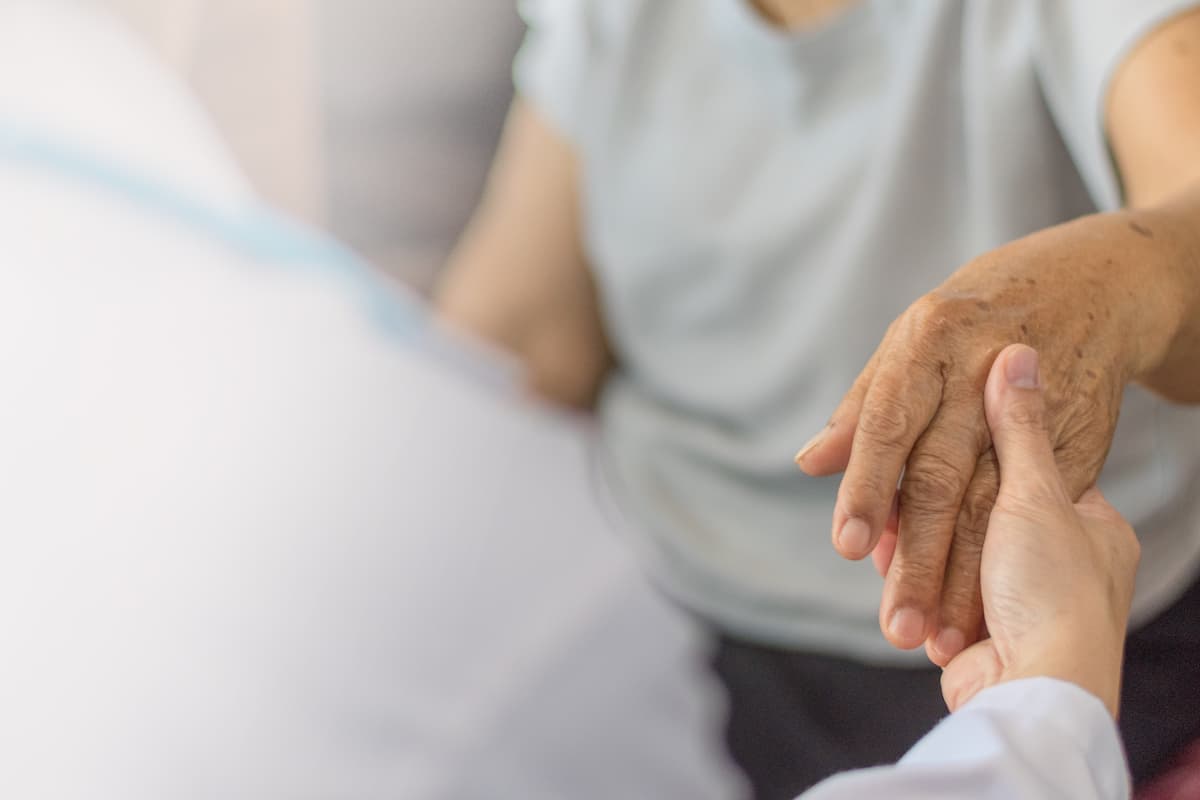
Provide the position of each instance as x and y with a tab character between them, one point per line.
1057	576
1106	299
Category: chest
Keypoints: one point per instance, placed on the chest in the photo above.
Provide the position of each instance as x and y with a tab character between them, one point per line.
725	185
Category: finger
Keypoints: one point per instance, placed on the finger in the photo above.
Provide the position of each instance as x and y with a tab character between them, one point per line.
828	452
935	481
884	552
885	548
960	615
898	407
1016	414
973	670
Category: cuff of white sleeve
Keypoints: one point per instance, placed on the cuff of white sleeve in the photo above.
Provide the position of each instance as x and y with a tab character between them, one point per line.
1079	714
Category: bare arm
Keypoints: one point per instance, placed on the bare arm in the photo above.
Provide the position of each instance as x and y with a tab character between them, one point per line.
1153	124
519	278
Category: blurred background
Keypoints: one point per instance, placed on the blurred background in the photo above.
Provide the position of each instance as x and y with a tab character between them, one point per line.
373	119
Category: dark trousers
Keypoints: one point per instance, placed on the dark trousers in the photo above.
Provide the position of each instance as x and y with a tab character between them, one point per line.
797	718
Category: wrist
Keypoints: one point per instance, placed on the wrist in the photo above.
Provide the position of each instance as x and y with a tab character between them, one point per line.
1091	663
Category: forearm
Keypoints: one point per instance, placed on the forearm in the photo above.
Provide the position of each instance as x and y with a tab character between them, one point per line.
1153	126
1123	287
519	278
1167	261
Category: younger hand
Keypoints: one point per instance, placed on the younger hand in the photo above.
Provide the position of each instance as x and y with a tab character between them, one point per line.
1057	578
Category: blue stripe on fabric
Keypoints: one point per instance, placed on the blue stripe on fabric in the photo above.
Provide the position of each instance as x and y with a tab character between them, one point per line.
254	231
265	236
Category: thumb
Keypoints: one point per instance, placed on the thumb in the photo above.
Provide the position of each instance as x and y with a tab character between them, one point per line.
1016	414
970	672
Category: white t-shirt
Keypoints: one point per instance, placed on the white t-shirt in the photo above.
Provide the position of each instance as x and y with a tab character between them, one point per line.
759	205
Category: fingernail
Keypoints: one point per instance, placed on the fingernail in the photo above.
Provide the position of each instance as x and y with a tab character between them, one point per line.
811	444
949	642
907	625
855	536
1022	368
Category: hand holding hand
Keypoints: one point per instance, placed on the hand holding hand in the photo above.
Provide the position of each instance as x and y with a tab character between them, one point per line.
1057	578
911	434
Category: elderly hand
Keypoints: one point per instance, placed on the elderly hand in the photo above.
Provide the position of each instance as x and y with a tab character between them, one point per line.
912	427
1057	578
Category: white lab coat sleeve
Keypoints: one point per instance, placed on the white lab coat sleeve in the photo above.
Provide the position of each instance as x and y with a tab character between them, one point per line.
1034	738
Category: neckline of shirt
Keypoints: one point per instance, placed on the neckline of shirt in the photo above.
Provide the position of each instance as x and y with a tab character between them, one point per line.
747	30
786	65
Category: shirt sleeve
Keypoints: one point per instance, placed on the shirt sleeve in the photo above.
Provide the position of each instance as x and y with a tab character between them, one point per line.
551	70
1035	738
1080	44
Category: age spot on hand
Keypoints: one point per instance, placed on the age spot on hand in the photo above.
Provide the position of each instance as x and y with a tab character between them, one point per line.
1141	230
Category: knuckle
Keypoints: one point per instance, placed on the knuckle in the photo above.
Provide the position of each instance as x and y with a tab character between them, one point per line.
864	498
930	314
923	308
971	530
929	493
937	315
962	605
975	511
934	469
916	581
888	424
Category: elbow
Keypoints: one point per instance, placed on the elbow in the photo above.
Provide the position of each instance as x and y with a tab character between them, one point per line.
561	366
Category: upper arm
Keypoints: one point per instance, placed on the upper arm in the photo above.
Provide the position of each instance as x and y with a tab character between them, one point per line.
519	277
1153	112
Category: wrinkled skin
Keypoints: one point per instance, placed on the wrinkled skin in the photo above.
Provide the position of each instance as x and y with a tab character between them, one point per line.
916	411
1057	577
